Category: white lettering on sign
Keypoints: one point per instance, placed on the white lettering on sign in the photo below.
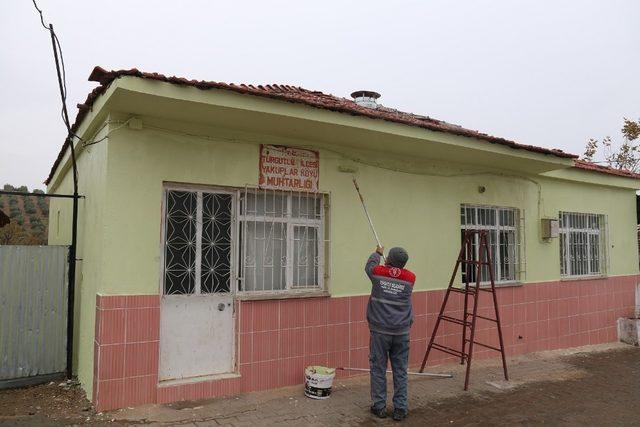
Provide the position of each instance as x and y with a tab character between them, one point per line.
289	168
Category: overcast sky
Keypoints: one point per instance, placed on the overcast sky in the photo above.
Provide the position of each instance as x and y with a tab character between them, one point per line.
547	73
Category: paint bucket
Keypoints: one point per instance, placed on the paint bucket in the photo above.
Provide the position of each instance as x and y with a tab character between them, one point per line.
318	381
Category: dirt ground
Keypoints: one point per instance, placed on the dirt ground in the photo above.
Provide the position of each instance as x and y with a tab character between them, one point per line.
59	402
607	394
595	385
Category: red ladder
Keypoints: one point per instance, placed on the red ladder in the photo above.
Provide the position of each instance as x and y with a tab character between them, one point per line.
466	257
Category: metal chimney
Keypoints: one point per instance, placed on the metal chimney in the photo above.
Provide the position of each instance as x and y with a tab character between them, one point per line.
366	98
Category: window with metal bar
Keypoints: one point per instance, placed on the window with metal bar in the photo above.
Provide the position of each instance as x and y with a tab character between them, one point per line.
582	244
197	242
281	241
502	232
278	236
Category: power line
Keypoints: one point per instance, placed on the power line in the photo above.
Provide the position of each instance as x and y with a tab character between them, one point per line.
62	73
62	84
41	17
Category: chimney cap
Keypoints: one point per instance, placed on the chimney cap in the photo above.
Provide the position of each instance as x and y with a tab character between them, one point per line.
365	98
365	93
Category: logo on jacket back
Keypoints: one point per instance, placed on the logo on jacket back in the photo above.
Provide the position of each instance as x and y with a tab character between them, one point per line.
395	272
391	287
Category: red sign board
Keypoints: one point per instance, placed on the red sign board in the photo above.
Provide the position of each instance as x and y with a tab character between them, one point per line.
289	168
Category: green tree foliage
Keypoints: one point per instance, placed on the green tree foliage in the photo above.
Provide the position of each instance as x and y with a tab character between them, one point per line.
43	204
29	217
624	155
29	206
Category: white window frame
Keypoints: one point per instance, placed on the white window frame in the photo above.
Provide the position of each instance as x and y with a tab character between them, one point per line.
516	228
291	223
199	190
236	219
565	243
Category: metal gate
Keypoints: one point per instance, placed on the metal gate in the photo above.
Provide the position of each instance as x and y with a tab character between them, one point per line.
33	313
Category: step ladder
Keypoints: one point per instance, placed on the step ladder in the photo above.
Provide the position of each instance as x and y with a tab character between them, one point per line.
472	269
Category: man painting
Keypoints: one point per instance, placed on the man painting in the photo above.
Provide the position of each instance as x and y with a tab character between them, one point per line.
390	315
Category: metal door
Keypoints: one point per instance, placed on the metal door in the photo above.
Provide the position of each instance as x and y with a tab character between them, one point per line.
33	313
197	317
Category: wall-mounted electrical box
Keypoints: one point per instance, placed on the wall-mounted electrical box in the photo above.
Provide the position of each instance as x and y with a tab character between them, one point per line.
550	228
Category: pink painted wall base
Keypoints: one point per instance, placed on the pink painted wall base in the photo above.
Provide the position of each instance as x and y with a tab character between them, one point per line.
278	338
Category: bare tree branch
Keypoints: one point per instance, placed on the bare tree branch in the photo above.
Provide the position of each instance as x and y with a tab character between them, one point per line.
624	155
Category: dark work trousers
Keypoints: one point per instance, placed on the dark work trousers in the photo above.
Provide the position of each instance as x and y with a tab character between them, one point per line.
383	347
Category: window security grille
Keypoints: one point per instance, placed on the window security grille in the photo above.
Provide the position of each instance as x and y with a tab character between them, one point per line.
502	225
198	235
277	237
282	240
582	244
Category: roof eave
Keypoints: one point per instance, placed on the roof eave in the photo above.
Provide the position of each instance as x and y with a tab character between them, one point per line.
105	77
312	99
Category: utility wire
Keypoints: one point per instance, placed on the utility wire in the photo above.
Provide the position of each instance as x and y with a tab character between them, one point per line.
64	70
62	82
41	17
95	141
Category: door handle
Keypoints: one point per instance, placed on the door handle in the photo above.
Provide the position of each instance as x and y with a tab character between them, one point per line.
221	306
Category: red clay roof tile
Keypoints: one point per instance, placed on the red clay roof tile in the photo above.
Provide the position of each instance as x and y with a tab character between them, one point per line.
583	164
310	98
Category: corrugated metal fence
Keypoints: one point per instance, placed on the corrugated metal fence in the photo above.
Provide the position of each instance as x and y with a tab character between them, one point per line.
33	312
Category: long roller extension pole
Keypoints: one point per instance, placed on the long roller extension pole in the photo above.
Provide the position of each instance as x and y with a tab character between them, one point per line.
419	374
366	212
375	234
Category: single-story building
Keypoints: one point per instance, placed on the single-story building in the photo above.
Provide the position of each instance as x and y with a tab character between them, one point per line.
222	244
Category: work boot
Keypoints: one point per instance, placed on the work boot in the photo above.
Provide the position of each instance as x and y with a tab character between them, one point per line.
380	413
399	414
